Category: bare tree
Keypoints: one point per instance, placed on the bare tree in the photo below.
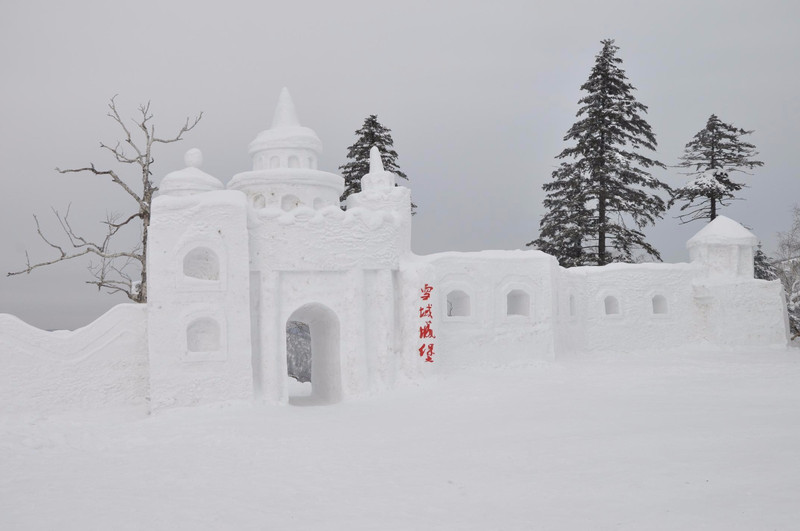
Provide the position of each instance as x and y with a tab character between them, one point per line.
788	269
112	271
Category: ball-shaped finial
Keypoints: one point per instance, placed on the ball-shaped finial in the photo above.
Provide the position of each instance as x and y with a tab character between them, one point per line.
193	158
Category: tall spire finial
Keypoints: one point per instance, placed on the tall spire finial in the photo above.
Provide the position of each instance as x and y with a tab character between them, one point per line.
285	114
375	162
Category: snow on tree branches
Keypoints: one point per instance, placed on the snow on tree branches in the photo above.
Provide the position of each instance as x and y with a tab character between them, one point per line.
598	203
714	153
372	133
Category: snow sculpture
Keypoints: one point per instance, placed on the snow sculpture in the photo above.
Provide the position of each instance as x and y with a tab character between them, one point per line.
725	248
228	269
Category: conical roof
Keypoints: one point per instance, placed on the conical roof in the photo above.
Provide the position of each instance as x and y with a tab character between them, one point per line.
286	131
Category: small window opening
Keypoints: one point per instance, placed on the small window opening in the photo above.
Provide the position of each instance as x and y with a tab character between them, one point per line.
611	305
458	304
518	302
201	263
660	304
259	202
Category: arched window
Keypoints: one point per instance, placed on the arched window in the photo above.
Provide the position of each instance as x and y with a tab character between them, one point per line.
518	302
611	305
288	202
294	162
660	304
203	335
259	202
202	263
458	304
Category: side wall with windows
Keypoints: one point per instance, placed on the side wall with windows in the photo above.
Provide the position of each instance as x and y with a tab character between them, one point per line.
198	300
622	307
489	307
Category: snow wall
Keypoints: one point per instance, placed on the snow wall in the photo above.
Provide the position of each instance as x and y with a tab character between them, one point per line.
100	365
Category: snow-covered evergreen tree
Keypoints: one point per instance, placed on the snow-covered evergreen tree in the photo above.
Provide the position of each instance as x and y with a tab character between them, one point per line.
598	203
714	153
372	133
762	266
793	308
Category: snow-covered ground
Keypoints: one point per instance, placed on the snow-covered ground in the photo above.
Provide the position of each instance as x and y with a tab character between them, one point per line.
634	441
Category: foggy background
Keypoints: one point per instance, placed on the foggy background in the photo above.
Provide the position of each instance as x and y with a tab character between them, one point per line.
478	96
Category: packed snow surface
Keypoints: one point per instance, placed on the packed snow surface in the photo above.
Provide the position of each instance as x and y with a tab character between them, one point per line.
682	440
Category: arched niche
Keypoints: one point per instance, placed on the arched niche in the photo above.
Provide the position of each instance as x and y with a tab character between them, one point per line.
324	330
660	305
611	305
203	335
289	202
458	304
518	302
201	263
259	201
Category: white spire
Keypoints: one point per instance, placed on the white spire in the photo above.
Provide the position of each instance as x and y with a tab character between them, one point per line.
375	162
285	114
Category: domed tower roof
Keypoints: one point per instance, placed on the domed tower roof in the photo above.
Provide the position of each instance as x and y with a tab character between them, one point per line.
722	231
286	131
191	179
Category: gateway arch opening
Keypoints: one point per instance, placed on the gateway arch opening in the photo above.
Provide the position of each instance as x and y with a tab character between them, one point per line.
312	355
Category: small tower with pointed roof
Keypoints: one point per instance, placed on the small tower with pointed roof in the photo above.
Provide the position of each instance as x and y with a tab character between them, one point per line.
285	173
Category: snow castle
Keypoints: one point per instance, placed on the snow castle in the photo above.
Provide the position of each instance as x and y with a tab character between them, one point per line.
229	267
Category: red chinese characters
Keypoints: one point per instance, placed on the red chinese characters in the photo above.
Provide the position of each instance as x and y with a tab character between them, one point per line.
426	331
426	292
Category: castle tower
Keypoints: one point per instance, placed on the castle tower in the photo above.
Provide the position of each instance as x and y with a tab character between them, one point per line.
725	248
285	173
197	262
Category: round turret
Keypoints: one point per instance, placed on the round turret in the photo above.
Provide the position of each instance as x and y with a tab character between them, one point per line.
285	173
191	179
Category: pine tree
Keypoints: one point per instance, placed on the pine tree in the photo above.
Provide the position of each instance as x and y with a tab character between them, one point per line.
714	153
592	200
372	133
763	268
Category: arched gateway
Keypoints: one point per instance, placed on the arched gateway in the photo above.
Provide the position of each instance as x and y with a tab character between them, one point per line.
326	374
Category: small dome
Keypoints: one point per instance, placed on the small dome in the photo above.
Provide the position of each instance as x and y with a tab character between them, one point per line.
286	131
190	180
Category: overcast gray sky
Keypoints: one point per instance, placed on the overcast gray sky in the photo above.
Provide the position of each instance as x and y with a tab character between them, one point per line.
478	96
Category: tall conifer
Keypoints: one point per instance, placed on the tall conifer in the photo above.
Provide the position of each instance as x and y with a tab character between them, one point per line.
598	203
714	153
372	133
